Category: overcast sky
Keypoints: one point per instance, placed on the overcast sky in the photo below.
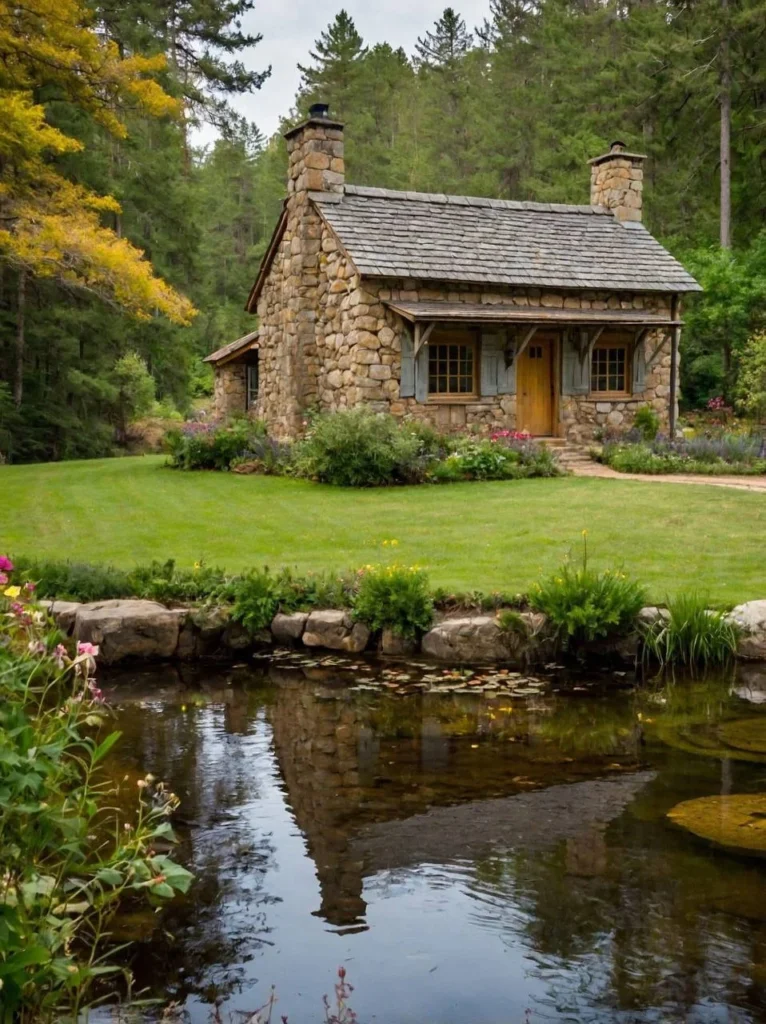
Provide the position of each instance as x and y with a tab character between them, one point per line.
290	28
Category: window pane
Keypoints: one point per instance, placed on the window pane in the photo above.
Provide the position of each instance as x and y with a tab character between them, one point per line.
608	369
450	369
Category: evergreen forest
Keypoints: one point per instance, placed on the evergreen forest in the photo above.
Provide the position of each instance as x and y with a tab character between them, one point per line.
127	249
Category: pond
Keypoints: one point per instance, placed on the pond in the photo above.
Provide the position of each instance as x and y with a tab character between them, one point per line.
473	849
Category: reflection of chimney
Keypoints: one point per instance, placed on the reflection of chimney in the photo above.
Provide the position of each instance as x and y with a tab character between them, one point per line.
617	182
315	149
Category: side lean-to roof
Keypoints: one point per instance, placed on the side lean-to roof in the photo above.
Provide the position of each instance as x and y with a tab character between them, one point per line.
234	348
471	240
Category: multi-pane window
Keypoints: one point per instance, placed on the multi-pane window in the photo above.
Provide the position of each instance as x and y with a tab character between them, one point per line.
252	381
608	369
451	368
535	351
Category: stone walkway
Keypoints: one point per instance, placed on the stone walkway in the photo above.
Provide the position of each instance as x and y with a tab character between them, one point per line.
596	469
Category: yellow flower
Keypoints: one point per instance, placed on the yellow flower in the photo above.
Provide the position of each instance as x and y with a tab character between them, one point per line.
197	565
394	543
12	592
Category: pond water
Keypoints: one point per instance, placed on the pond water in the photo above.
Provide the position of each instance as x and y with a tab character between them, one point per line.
483	850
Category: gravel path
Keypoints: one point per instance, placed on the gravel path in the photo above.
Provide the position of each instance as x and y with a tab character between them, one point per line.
741	483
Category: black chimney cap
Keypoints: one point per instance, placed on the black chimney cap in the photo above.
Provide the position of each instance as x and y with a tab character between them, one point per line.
319	110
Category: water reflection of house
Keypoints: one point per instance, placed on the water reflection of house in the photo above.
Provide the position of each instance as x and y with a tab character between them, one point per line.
371	795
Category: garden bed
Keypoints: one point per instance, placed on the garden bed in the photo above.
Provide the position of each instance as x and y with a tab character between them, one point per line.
722	454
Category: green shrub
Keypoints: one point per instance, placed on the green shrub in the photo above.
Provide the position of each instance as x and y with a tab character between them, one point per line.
473	458
583	604
83	581
255	600
691	634
394	597
360	449
647	422
68	854
211	445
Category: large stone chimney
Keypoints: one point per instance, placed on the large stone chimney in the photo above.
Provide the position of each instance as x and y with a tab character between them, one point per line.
315	149
617	182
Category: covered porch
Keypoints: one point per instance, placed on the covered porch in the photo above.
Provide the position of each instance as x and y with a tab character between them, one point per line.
554	363
236	368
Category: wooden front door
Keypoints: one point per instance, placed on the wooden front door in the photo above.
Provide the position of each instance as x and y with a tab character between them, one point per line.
534	386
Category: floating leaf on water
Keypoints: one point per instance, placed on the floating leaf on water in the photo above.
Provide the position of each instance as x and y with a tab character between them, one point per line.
736	822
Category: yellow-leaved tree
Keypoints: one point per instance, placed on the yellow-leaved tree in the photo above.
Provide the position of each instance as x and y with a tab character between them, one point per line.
51	226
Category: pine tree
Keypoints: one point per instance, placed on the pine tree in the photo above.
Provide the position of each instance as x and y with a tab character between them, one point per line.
447	44
337	56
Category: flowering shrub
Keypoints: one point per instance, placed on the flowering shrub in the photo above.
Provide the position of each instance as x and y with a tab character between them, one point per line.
211	445
719	453
504	456
583	604
67	854
395	597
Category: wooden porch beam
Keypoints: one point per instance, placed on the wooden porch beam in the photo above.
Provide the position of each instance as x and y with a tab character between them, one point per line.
587	352
526	340
422	336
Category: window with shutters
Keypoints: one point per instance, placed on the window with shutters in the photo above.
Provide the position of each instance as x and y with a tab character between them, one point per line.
609	369
452	367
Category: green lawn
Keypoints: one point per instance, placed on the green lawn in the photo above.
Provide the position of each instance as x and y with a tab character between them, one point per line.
470	536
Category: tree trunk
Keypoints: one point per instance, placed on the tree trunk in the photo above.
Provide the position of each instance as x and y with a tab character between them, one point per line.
725	103
21	301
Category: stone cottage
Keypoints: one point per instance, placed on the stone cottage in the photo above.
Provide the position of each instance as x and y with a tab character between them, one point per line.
464	311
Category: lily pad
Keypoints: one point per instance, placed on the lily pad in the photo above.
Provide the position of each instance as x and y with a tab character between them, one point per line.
734	822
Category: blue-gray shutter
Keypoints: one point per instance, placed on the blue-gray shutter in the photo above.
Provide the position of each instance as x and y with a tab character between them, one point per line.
421	375
489	360
575	372
407	378
496	377
639	368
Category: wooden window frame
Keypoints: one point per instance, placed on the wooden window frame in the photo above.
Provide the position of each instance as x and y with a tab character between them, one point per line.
600	347
250	399
455	398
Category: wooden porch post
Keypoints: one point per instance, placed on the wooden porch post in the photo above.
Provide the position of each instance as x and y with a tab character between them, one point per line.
674	344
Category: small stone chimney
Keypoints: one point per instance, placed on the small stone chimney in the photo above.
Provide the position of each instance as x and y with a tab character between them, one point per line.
315	149
617	182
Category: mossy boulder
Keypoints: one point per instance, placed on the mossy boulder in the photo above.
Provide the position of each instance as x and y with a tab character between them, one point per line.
733	822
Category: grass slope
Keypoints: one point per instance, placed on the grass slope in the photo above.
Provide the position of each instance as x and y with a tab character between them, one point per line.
470	536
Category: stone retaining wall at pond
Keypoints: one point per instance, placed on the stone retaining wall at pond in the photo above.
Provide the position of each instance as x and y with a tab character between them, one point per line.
125	629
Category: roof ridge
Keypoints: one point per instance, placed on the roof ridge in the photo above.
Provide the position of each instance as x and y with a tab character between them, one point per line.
446	199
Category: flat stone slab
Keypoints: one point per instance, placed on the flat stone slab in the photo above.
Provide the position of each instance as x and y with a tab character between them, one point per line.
335	630
129	629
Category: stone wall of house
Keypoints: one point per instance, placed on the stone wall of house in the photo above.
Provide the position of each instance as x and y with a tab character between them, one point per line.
230	392
358	351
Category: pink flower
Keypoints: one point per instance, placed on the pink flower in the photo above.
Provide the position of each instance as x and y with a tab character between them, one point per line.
3	579
59	655
83	647
36	647
6	565
96	695
30	587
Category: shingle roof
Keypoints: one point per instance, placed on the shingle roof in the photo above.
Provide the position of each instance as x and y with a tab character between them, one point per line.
496	241
234	348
